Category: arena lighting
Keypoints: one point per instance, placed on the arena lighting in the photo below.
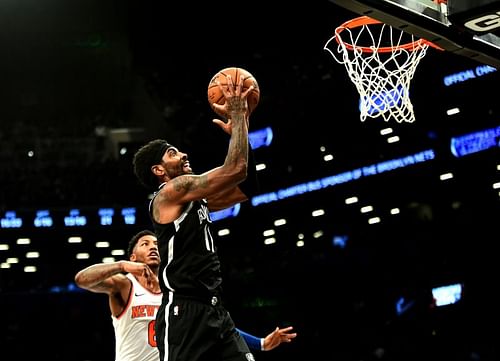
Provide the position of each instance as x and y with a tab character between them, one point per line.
261	137
11	220
43	219
447	295
106	216
475	142
74	219
129	215
460	146
225	213
71	218
340	241
403	305
468	74
344	177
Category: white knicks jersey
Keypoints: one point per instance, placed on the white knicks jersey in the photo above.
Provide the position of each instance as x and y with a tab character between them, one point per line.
135	336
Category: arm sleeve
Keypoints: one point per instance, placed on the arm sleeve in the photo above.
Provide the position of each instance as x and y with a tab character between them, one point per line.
253	342
250	186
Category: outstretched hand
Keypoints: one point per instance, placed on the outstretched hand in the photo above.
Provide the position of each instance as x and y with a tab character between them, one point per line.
279	335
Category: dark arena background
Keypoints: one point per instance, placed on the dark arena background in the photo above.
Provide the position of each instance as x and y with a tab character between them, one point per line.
376	240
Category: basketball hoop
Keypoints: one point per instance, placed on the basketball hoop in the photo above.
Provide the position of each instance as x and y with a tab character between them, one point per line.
381	61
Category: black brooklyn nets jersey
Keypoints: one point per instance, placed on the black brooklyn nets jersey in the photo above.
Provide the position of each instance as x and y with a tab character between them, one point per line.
189	261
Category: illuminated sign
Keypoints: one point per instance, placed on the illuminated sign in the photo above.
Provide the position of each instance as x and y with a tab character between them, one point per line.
468	74
43	219
74	219
106	216
344	177
11	220
475	142
129	215
225	213
447	295
261	138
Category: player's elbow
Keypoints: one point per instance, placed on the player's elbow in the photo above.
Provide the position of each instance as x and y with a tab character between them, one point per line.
235	172
80	279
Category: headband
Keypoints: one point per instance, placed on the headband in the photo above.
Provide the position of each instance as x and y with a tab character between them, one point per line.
161	151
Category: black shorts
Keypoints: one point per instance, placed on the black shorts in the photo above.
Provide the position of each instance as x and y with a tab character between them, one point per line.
197	329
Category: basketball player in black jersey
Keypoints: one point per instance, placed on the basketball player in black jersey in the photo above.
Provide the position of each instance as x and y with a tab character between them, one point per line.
191	323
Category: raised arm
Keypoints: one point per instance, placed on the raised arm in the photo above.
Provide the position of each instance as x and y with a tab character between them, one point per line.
109	278
188	187
244	190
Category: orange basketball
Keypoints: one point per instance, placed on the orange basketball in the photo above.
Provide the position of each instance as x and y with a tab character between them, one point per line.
215	95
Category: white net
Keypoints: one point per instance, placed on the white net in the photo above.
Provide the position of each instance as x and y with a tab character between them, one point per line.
381	61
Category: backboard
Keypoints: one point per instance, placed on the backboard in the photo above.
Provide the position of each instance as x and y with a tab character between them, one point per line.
470	28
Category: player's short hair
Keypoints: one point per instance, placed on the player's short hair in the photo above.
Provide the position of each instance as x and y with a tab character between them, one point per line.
147	156
135	238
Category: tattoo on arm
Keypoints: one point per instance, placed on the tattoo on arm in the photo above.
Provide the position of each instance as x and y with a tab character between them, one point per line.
94	277
181	184
239	145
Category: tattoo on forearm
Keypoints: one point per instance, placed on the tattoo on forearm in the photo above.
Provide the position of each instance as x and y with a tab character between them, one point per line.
95	275
239	145
182	184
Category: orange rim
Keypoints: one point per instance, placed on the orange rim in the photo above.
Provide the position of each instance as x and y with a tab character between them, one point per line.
365	20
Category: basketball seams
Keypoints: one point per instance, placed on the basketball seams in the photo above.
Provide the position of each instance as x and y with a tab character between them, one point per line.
235	72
